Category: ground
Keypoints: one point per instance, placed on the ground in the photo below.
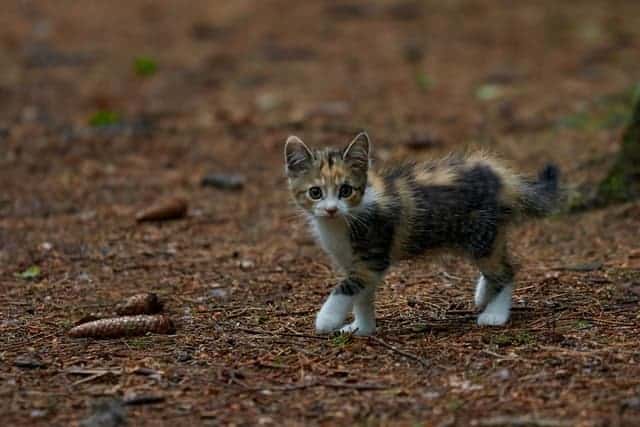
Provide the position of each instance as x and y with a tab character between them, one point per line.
106	107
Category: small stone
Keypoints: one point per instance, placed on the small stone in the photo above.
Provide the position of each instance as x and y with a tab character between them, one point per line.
585	267
28	362
631	403
223	181
413	52
84	277
268	101
141	399
46	246
38	413
183	356
431	395
503	374
247	264
219	293
106	413
205	31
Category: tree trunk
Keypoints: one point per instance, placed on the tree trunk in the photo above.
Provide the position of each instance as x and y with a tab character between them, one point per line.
623	181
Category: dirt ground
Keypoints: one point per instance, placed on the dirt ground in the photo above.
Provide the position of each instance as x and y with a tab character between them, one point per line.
88	138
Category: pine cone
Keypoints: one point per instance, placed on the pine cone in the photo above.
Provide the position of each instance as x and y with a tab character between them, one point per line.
146	303
164	210
126	326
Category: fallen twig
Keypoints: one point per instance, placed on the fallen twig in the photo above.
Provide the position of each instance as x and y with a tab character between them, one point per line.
330	384
283	334
418	359
90	372
522	420
90	378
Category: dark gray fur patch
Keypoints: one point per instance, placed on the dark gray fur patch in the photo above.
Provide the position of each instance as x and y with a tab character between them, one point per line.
498	280
332	156
371	237
350	286
298	161
465	215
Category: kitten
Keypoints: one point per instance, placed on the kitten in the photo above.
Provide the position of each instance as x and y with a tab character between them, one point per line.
367	220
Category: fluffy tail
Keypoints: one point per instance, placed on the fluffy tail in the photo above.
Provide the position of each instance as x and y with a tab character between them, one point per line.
539	198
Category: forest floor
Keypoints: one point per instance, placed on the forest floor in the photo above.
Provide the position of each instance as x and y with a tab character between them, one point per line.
107	107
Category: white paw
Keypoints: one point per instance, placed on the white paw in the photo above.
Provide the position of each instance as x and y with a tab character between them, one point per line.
326	323
333	312
492	319
481	295
358	329
497	311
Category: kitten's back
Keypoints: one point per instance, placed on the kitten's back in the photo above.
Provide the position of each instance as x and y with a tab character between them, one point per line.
458	201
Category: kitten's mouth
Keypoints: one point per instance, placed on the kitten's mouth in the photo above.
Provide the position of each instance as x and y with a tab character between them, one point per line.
328	215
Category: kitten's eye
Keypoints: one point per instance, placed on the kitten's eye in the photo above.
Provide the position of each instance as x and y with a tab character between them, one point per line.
315	193
345	191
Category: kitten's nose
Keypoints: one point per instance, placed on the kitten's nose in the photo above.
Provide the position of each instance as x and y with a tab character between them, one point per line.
331	211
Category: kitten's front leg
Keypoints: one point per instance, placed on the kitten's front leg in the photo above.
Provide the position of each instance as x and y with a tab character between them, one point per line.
333	312
357	291
354	290
364	322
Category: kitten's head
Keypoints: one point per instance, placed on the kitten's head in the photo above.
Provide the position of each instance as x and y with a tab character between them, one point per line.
329	182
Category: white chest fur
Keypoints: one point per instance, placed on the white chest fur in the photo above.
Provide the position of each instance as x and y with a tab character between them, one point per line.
333	235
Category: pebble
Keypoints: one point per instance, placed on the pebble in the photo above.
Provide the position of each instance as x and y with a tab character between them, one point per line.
142	399
246	264
219	293
503	374
631	403
106	413
268	101
28	362
38	413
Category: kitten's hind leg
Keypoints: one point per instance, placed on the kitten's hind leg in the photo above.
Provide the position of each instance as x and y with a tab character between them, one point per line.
497	311
495	287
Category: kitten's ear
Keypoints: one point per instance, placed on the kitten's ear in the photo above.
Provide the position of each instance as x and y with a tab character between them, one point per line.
357	152
297	156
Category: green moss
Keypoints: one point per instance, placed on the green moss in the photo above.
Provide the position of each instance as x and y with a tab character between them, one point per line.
455	404
30	273
489	92
423	81
605	112
104	118
139	343
519	339
341	340
583	324
622	183
145	66
612	188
